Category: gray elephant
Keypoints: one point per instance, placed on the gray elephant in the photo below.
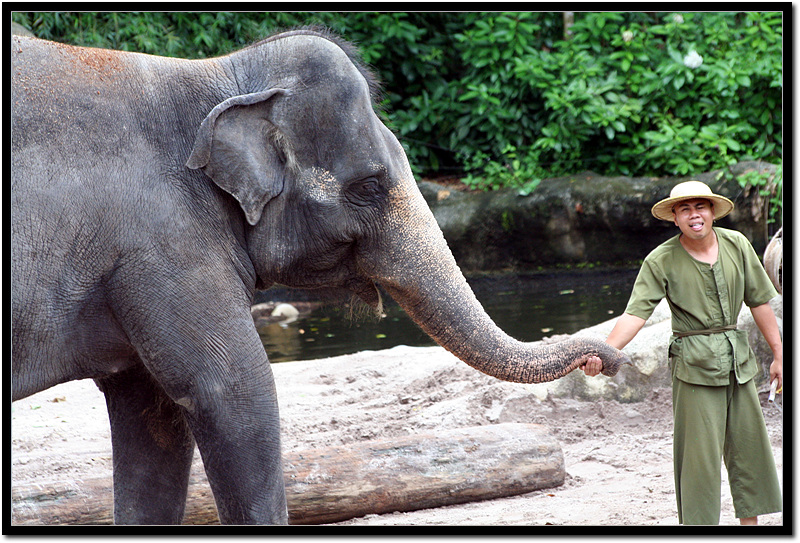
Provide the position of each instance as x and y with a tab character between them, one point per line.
152	196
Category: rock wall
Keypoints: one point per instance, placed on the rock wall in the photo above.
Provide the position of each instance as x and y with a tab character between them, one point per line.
584	218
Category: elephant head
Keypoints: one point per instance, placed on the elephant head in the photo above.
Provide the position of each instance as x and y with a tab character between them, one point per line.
330	200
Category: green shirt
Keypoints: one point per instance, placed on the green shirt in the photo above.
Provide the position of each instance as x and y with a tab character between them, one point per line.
703	296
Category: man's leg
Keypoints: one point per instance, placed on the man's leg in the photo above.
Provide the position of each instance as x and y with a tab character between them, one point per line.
699	436
755	488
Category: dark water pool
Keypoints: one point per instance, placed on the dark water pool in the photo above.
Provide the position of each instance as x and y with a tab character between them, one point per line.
527	307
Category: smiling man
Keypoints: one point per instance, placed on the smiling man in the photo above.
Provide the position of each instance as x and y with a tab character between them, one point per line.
706	273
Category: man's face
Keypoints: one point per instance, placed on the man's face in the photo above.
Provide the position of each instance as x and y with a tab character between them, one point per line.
694	217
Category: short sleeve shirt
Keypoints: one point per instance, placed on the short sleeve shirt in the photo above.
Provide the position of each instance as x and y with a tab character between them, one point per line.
703	296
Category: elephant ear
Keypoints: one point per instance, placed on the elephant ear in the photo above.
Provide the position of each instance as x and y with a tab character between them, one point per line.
235	146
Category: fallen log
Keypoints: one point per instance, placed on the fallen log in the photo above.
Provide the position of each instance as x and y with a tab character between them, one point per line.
421	471
338	483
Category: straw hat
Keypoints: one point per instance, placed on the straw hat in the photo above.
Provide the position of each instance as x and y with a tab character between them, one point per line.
689	190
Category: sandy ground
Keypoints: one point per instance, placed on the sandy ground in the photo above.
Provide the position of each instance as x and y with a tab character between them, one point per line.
618	456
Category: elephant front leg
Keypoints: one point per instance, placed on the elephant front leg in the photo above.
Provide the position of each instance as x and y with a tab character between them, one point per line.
152	449
210	361
237	428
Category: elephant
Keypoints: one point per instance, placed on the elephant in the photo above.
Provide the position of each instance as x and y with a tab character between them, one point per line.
143	185
773	260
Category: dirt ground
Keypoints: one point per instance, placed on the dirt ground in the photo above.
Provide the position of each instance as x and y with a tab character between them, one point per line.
618	456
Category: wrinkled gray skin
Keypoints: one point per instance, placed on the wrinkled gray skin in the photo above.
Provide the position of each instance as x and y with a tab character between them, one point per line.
153	196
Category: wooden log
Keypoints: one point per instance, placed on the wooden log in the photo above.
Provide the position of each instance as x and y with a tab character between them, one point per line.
338	483
421	471
79	501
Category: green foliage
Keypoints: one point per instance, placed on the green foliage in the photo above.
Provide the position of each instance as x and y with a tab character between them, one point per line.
175	34
770	187
629	96
506	99
510	171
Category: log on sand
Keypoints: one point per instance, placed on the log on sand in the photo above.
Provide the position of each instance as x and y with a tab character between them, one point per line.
338	483
421	471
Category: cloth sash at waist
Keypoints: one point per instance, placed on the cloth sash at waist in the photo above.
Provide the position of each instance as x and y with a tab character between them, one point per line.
705	332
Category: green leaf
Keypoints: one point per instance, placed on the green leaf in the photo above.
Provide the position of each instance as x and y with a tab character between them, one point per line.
732	144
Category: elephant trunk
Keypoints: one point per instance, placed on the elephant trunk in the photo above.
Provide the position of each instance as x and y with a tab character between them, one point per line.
455	319
423	277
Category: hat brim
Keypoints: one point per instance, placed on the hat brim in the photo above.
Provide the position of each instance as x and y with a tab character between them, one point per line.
663	209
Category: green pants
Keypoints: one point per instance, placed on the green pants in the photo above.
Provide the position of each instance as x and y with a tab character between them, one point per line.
715	422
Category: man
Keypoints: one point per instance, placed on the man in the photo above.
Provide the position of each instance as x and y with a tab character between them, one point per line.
706	273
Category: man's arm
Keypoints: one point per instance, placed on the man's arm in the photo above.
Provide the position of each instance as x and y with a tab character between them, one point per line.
766	322
624	331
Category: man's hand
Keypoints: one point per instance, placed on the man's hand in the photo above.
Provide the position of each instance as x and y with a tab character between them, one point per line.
624	330
593	366
775	372
766	322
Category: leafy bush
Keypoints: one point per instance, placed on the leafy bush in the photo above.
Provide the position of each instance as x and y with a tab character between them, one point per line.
770	188
506	99
629	95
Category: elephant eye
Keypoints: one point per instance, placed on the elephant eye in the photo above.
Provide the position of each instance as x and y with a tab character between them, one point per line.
363	192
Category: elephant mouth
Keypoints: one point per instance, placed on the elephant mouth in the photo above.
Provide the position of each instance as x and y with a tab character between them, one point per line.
367	291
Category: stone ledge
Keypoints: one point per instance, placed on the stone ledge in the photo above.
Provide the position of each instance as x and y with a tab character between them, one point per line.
583	218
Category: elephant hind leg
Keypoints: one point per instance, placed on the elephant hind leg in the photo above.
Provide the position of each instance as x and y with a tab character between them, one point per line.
152	449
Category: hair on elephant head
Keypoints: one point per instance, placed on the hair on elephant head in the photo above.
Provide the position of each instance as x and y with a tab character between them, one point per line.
219	176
